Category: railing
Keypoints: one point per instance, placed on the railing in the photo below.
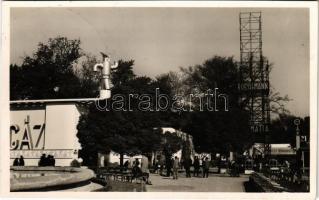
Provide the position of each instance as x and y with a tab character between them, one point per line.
120	174
286	177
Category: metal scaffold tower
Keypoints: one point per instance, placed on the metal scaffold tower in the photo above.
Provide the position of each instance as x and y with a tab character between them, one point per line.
254	77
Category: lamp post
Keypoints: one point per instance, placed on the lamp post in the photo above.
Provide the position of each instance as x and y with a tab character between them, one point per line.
297	123
298	150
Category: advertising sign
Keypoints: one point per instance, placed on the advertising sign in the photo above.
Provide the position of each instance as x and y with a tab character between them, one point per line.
27	130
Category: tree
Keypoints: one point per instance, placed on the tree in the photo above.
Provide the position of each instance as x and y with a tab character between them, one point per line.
217	131
283	129
171	144
186	149
125	132
221	131
49	72
89	80
171	84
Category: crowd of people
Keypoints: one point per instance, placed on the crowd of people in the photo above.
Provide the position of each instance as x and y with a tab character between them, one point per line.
18	161
139	169
46	161
200	167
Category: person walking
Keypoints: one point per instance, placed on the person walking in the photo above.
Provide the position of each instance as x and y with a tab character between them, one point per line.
168	164
161	163
196	166
175	168
206	168
136	171
145	170
125	165
156	166
187	166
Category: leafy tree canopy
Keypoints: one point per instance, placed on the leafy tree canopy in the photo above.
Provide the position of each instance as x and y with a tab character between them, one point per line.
283	129
48	73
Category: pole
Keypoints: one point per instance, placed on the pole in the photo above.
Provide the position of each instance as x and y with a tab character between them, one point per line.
303	161
297	123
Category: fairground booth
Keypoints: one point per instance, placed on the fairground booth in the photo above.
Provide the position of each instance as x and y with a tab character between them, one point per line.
45	127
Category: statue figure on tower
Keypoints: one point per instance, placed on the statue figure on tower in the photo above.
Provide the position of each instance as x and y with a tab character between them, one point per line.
105	68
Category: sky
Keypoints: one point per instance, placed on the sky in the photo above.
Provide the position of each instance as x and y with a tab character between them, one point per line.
164	39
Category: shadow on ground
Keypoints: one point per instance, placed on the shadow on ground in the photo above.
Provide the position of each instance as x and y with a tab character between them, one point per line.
250	187
120	186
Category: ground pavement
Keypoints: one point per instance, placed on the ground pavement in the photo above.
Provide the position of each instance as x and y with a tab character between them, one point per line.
214	183
85	188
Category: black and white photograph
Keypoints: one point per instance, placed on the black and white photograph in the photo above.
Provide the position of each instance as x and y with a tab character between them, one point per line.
167	98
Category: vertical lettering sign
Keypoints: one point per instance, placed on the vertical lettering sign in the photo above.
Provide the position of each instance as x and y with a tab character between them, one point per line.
27	130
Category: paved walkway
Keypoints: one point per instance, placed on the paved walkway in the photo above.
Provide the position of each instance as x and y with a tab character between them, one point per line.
85	188
214	183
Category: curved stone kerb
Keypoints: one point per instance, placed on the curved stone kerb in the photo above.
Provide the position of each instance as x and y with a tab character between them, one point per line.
62	176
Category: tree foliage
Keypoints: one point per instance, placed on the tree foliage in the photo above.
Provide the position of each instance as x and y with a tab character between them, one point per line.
219	131
283	129
48	73
60	69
